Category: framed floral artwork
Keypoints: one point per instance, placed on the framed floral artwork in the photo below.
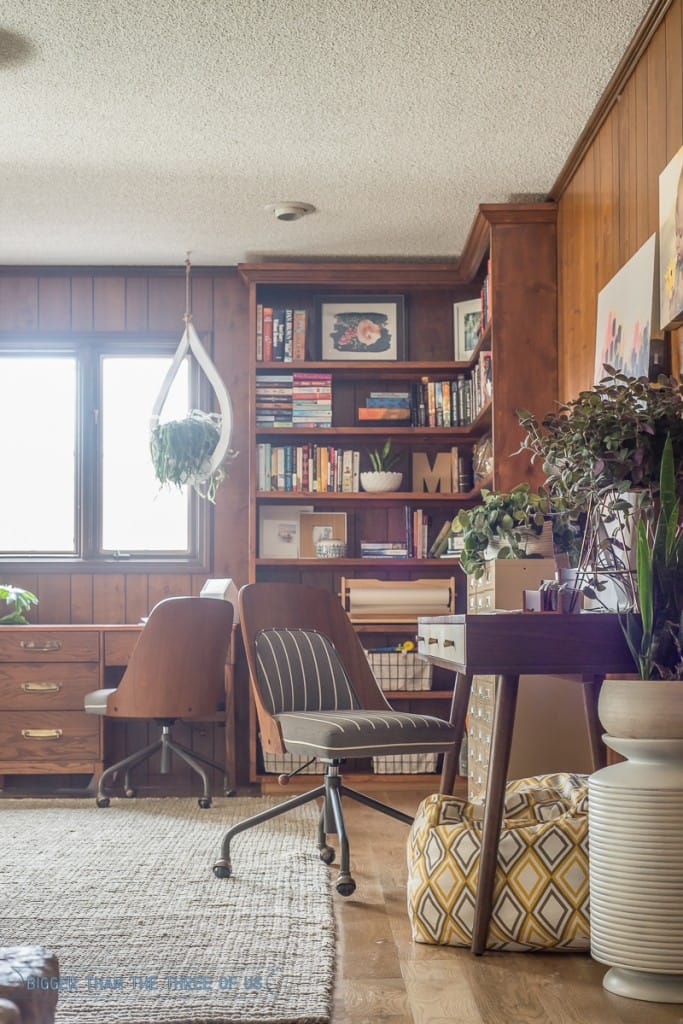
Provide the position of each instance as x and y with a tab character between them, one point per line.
671	243
627	315
354	327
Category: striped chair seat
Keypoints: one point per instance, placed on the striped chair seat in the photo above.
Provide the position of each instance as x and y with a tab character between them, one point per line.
305	687
363	733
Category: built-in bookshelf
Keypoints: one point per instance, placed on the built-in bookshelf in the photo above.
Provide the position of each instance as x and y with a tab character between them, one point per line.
431	405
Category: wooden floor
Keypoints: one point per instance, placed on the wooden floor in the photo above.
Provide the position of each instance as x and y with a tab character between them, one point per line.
383	976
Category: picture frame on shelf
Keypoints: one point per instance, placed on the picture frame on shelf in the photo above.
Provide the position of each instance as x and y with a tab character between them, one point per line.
670	253
320	526
357	327
279	530
627	316
466	328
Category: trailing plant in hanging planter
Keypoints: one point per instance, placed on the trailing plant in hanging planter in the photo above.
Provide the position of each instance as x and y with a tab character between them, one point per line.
181	452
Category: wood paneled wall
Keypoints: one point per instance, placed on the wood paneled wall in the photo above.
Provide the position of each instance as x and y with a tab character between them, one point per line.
40	302
610	206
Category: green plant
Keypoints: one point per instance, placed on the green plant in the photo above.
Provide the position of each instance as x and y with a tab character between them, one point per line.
506	520
22	600
383	460
654	629
181	450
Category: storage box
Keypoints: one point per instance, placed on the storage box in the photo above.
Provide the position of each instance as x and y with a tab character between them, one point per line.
404	764
394	670
285	763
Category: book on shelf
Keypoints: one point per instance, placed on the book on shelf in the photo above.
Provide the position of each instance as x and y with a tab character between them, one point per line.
267	333
394	413
440	542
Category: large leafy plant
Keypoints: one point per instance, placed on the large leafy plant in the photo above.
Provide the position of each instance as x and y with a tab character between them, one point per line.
19	601
654	630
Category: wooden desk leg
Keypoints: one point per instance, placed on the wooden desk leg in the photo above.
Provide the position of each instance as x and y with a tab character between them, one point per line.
591	692
459	704
501	741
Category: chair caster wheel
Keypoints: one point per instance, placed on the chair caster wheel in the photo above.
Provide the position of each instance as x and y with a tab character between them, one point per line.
130	793
345	885
326	854
204	802
229	792
102	801
222	869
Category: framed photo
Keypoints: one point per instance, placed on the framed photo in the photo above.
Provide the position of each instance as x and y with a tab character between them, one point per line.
671	243
315	526
466	328
626	316
360	326
279	530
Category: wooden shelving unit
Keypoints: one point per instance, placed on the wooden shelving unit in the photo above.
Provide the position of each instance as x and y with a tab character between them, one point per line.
516	244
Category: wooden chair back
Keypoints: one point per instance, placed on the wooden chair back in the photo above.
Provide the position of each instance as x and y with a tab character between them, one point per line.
177	668
299	606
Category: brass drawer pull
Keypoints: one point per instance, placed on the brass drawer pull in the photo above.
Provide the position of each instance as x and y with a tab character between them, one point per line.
433	640
41	734
45	645
420	639
449	643
41	687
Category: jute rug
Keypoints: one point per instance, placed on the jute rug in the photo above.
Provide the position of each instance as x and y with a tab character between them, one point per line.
145	933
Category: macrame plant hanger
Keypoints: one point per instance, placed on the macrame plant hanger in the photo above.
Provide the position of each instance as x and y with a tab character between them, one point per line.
190	343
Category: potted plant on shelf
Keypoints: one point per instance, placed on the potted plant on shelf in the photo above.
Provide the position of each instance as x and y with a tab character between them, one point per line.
506	525
181	452
602	453
19	601
382	477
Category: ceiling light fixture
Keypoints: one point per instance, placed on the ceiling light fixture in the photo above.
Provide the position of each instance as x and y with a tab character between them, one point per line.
288	210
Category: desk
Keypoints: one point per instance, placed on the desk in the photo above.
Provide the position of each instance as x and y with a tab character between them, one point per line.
45	672
509	645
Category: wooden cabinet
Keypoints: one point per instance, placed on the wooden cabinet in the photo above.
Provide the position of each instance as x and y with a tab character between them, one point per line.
45	672
515	247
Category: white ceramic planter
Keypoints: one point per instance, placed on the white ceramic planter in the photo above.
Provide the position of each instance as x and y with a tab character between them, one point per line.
373	481
635	821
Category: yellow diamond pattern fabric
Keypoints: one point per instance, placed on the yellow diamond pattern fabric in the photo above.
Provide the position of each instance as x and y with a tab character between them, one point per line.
540	896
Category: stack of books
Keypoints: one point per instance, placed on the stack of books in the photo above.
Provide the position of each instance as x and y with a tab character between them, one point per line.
274	400
383	549
386	405
312	399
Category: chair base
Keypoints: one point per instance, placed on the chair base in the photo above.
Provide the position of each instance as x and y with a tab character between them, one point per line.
331	821
167	745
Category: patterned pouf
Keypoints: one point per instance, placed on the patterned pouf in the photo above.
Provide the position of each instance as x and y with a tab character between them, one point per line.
540	896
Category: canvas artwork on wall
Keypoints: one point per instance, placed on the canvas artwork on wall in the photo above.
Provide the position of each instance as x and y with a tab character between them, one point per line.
671	242
626	315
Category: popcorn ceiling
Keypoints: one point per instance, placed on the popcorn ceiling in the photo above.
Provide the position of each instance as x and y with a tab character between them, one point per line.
133	131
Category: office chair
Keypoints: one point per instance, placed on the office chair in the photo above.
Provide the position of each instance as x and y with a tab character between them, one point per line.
315	694
176	671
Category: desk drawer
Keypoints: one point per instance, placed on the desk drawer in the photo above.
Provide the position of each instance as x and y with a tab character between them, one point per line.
119	644
60	686
55	737
441	640
26	644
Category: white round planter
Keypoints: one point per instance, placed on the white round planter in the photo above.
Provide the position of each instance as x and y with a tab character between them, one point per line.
373	481
635	822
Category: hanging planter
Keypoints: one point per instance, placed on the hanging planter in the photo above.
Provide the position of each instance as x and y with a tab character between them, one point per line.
195	450
182	449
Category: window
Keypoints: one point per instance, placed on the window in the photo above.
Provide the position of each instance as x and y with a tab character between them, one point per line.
78	482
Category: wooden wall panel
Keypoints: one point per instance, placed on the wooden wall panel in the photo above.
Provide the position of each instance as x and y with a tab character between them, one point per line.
37	300
609	207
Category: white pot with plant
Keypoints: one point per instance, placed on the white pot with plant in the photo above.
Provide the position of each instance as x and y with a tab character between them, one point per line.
636	806
383	477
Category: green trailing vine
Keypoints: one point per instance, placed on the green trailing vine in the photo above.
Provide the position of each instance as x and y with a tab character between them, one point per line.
181	450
